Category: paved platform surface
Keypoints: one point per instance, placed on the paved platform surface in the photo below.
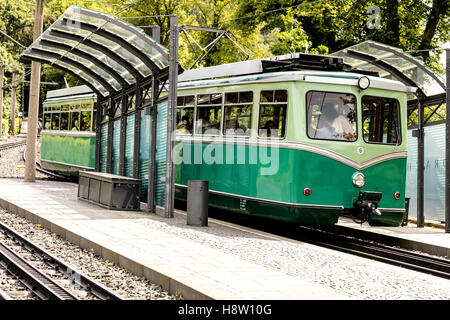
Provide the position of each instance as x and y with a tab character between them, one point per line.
149	245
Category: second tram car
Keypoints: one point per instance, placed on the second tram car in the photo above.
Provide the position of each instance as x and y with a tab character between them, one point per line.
68	130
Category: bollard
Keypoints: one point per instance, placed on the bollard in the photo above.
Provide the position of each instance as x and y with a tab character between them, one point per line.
197	202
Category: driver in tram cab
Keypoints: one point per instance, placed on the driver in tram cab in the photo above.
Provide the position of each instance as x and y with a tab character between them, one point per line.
325	128
333	125
343	126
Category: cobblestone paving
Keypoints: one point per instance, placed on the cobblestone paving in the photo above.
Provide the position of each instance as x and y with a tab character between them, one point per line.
359	277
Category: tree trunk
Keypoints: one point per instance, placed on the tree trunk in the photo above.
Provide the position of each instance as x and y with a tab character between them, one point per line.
439	9
392	23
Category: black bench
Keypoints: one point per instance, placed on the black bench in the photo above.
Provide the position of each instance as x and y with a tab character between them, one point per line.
110	191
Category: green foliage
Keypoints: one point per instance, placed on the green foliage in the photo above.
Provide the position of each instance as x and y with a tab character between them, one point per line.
430	115
334	25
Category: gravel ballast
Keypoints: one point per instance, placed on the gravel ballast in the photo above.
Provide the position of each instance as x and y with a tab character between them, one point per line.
118	279
11	161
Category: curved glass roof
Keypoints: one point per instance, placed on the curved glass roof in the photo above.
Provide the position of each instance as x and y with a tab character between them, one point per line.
105	52
393	63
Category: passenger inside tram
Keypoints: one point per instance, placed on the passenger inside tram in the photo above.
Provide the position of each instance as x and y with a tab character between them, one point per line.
333	124
76	126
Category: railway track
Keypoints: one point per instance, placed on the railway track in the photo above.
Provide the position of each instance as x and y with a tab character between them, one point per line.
36	281
380	252
77	279
4	295
46	172
9	145
340	240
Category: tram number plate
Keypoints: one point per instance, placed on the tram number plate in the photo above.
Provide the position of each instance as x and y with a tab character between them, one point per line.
243	204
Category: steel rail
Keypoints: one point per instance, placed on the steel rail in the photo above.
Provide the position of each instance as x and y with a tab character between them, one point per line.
37	282
46	172
10	145
78	278
4	295
395	256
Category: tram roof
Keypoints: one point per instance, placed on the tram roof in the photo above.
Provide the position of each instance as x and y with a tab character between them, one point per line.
57	93
105	52
393	63
326	77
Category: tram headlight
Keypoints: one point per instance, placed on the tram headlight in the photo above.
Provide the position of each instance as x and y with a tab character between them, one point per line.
363	83
359	180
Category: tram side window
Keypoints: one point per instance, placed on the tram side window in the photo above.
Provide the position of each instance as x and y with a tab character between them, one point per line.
86	118
64	121
331	116
272	113
185	114
47	121
75	121
55	121
238	113
209	113
381	120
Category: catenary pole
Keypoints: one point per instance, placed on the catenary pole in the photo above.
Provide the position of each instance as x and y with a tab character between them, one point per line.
13	103
1	98
33	106
420	165
171	117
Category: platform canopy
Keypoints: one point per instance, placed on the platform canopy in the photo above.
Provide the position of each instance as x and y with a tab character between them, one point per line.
393	63
103	51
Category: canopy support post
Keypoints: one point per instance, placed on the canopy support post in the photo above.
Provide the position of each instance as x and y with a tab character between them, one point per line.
171	117
420	165
447	143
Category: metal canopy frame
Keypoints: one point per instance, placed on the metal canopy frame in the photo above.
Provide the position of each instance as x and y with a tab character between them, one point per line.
385	66
391	62
101	47
125	68
205	50
410	59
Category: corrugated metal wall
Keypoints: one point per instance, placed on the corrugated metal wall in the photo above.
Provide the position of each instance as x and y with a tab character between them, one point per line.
434	205
144	153
103	147
129	146
115	147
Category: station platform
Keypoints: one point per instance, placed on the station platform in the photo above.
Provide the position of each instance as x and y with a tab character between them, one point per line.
165	251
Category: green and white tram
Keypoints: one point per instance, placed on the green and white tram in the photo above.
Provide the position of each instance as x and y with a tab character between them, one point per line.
68	130
299	146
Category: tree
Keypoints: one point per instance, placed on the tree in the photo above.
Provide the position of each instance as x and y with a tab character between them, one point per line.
412	25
